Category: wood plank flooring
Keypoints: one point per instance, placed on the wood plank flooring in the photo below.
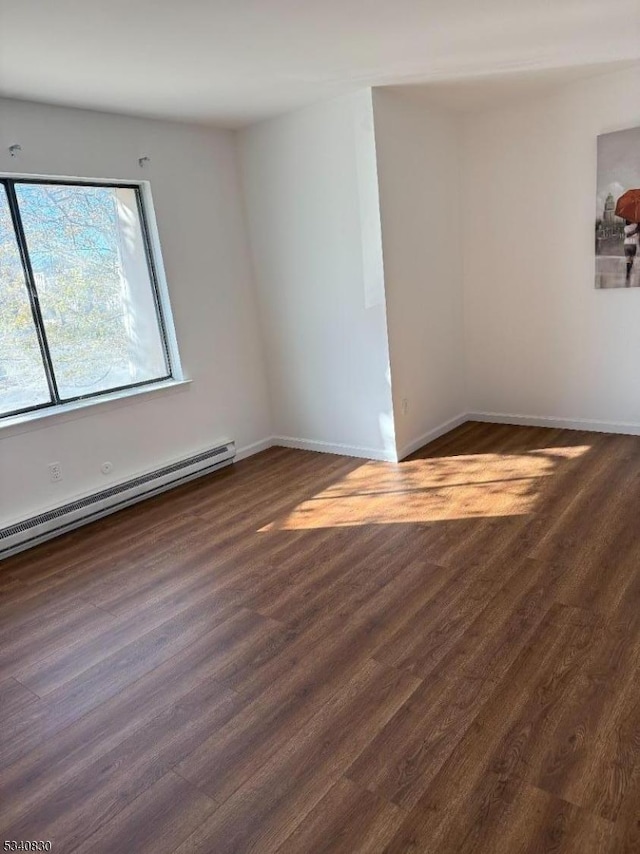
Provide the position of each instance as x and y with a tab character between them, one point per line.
309	653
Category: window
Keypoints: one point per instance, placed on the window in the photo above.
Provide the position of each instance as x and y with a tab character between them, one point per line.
80	314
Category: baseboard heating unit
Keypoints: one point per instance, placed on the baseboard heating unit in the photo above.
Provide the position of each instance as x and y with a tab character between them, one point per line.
37	529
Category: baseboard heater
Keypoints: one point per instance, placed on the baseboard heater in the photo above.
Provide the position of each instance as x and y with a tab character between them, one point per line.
37	529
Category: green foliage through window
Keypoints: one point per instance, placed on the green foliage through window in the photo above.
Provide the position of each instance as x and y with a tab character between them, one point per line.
93	322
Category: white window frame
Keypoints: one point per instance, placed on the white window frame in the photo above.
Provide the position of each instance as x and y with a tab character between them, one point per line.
175	376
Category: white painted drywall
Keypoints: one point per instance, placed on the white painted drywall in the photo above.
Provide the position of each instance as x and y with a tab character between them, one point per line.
419	166
541	341
312	208
244	61
195	191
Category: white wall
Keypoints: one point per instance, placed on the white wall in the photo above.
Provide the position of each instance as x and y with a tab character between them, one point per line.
195	190
419	166
312	203
541	341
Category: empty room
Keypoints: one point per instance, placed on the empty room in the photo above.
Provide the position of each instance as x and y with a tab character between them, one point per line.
320	427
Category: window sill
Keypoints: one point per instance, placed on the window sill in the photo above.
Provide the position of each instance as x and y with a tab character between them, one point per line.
40	418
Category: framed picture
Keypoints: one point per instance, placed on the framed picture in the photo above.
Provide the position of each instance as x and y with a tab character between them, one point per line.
618	210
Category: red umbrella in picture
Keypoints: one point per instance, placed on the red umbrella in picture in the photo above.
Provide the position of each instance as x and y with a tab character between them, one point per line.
628	206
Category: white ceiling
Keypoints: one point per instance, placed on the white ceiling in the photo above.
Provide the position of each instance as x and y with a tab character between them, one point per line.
235	61
483	92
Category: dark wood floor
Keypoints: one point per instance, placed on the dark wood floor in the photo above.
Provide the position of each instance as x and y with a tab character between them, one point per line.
309	653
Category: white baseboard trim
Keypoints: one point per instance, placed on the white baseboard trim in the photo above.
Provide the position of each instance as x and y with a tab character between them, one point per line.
625	427
329	448
431	435
254	448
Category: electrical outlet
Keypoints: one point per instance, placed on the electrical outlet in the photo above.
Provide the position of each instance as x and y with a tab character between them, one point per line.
55	472
106	467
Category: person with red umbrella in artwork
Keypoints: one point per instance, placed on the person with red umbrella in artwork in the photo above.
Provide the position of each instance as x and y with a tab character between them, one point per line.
631	240
628	208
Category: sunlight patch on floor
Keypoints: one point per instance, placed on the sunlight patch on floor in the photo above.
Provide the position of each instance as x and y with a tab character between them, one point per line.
431	490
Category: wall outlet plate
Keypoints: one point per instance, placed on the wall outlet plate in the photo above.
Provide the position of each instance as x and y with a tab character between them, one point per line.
55	472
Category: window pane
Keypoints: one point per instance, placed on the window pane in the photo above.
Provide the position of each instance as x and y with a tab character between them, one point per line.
23	382
89	262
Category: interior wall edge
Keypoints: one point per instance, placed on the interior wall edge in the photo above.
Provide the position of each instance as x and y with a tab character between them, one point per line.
432	435
254	448
587	424
335	448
